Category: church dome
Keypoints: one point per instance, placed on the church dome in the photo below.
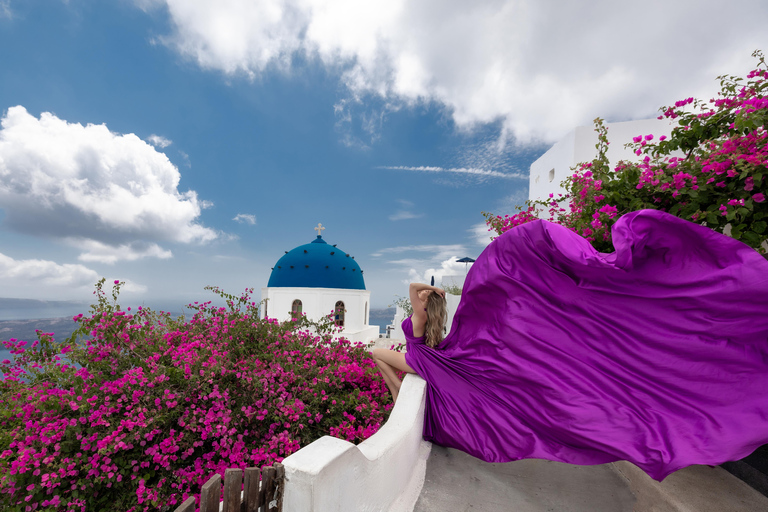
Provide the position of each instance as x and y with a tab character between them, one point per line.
317	265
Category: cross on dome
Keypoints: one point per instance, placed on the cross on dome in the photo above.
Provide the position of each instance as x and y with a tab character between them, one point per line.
319	229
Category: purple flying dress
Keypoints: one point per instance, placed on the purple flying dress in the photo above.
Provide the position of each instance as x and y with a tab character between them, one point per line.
656	353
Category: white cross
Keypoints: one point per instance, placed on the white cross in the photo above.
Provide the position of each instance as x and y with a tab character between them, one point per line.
319	229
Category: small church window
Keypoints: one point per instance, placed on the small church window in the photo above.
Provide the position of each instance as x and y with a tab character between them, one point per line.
366	313
296	309
338	314
551	175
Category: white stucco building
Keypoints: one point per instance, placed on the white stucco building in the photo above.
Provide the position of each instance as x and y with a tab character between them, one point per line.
317	279
579	146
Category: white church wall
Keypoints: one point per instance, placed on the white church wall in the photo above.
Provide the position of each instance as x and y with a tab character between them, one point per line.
578	145
383	473
319	302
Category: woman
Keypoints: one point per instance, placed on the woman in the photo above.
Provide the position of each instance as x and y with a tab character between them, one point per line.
425	325
656	353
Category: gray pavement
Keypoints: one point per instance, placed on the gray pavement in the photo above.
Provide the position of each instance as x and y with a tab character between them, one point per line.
457	482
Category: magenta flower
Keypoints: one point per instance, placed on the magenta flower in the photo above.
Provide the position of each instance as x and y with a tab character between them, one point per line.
759	197
749	184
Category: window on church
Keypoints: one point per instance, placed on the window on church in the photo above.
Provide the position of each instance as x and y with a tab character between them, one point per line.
338	314
366	313
296	309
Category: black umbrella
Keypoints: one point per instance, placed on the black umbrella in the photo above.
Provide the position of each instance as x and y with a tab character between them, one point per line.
465	260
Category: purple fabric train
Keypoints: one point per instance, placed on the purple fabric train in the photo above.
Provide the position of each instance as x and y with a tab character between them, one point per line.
656	353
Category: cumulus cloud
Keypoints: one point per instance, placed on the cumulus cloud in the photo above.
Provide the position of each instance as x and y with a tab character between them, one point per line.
97	251
536	68
114	194
43	272
159	141
245	218
449	267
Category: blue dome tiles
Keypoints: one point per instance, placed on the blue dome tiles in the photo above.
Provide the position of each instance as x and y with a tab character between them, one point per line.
317	265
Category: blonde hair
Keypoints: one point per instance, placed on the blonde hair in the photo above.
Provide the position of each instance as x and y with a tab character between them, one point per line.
437	314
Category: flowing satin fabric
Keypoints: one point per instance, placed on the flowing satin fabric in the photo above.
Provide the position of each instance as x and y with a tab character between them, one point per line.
656	353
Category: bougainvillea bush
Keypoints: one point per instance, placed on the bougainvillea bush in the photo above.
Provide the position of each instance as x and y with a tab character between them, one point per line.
711	170
137	410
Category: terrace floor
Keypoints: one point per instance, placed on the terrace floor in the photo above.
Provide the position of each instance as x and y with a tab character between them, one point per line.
459	482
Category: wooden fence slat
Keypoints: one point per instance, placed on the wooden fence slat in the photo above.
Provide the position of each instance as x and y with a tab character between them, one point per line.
187	506
233	483
210	494
280	479
251	490
267	490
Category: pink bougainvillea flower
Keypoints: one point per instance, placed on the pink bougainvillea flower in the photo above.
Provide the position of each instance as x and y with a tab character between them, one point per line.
759	197
749	184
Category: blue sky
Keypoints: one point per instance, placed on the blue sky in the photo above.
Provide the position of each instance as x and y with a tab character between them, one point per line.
177	144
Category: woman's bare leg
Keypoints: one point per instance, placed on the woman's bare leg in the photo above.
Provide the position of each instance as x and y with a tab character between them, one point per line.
388	361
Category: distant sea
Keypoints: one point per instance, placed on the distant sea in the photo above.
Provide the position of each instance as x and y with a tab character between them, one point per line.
20	318
382	318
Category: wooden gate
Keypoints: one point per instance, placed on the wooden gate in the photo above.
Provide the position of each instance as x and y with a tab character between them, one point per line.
262	491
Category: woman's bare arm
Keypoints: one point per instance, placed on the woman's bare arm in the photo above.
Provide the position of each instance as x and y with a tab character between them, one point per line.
419	315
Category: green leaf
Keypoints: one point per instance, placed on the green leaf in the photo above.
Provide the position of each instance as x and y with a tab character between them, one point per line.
712	218
751	238
759	227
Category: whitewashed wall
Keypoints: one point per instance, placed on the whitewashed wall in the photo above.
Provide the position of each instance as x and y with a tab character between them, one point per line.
383	473
318	302
579	146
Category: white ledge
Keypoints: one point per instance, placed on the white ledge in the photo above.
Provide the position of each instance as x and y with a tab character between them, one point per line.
384	473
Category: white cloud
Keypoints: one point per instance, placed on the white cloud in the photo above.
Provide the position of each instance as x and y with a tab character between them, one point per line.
536	68
480	234
5	9
26	279
404	215
99	252
481	174
405	212
188	163
449	267
44	272
159	141
114	194
245	218
438	251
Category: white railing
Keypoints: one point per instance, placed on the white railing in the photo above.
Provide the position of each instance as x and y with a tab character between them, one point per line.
384	473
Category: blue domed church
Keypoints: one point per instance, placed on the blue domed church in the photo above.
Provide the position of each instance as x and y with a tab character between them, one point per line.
317	279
